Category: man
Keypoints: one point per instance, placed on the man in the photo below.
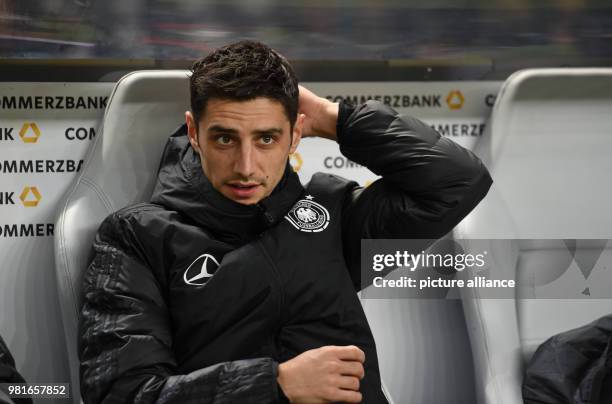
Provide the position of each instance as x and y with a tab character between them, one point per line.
9	375
236	284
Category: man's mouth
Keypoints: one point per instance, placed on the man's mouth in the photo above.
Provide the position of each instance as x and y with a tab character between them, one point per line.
243	190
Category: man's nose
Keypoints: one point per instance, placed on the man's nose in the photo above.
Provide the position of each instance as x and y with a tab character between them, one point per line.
244	164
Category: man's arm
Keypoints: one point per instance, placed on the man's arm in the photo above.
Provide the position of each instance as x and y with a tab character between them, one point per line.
125	342
429	183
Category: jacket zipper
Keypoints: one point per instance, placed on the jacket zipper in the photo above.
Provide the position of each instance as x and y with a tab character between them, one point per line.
267	216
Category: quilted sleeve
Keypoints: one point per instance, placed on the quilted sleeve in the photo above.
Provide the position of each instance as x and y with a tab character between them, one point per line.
429	183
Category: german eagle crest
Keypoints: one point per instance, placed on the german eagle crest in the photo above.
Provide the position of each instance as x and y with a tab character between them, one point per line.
308	216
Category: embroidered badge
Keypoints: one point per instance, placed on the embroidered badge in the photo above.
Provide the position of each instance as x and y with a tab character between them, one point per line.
309	216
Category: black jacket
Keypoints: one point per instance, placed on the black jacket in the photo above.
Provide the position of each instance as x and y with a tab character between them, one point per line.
573	367
156	326
9	374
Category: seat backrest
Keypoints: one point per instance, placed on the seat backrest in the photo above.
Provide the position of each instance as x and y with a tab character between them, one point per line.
547	147
120	169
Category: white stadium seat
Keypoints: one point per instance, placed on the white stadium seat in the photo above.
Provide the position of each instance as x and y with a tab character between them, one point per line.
120	169
548	146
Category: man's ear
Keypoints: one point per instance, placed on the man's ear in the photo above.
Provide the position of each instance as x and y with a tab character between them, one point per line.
297	132
192	131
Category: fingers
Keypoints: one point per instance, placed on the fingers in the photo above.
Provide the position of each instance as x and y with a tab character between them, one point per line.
346	396
348	383
352	368
349	353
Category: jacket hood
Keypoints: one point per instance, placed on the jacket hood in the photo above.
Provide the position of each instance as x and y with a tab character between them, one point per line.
183	186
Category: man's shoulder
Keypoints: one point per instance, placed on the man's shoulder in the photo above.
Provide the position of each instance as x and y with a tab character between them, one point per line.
137	219
331	182
330	187
142	209
140	213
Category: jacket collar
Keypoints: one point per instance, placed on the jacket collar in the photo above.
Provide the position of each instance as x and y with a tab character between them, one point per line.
182	186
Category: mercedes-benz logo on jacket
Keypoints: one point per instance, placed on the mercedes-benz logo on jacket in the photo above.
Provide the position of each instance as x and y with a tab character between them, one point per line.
200	270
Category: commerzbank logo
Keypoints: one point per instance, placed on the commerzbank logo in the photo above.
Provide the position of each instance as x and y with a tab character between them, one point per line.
455	99
29	132
295	159
30	197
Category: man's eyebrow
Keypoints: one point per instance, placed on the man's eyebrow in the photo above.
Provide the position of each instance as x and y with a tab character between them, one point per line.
268	131
219	128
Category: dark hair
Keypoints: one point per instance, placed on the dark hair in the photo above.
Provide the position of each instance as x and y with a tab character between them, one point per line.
242	71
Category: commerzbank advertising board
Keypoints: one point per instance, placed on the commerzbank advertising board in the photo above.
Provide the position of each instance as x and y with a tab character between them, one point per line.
46	130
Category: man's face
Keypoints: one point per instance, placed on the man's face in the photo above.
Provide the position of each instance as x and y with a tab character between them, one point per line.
244	146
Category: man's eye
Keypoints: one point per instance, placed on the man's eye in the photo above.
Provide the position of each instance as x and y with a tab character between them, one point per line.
224	139
267	139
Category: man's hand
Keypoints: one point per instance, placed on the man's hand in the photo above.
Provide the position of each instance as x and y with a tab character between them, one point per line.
321	115
323	375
